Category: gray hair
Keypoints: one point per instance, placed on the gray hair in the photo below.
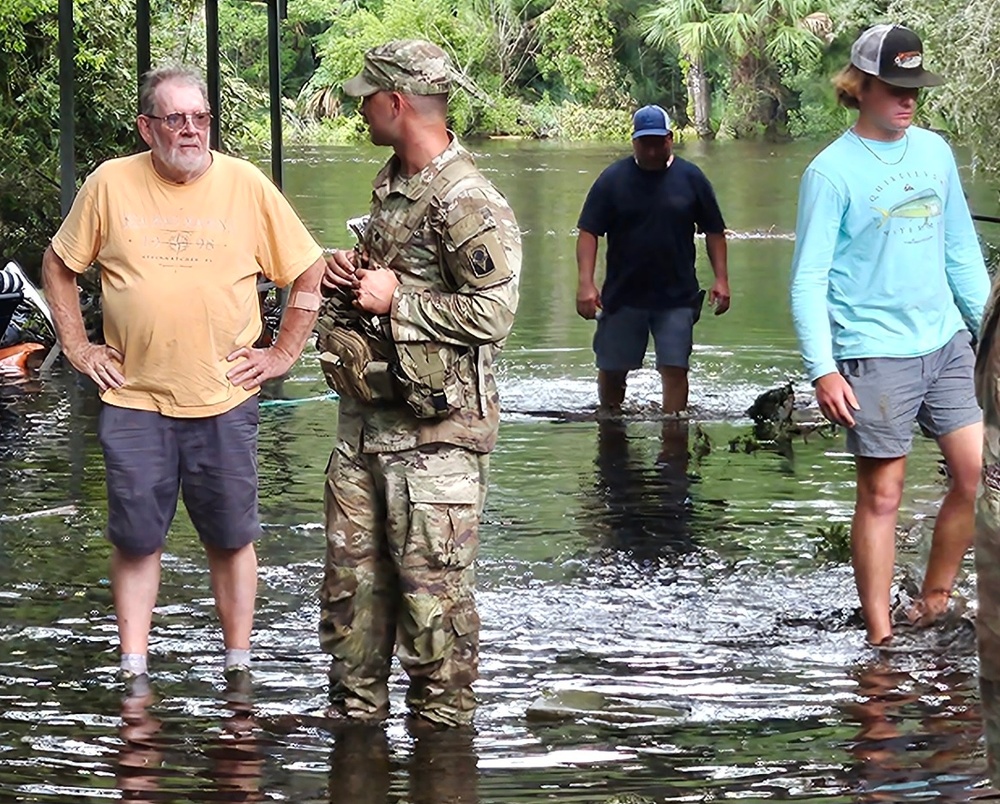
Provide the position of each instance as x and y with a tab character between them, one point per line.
178	73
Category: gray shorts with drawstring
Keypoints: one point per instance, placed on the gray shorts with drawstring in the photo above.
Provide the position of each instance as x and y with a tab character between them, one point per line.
935	390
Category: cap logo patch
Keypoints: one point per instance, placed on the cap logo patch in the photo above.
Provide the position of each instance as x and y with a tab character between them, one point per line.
909	60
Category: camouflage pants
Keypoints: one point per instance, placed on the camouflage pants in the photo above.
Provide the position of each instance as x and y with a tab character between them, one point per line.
402	533
987	539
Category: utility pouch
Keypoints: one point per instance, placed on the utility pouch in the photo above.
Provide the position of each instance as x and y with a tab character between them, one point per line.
429	378
352	369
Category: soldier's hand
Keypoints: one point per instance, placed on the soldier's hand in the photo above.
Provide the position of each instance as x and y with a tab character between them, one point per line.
340	268
258	366
99	362
373	290
718	296
588	301
836	399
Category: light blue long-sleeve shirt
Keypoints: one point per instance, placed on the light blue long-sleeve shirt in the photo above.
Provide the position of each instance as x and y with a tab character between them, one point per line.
887	262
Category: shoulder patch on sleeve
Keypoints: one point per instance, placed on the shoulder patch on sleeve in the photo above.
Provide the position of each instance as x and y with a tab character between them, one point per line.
481	262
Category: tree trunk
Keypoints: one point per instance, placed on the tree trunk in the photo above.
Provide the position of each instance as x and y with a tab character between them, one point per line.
751	108
701	99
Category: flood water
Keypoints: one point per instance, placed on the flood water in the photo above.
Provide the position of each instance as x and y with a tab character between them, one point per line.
674	601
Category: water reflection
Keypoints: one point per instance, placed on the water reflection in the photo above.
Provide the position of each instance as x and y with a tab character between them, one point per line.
360	766
916	730
642	502
140	758
442	766
989	692
151	760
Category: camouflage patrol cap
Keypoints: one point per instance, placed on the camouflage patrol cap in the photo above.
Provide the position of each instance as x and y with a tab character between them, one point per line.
411	66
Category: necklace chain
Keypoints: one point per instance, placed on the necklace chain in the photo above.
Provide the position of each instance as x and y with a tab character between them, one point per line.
906	146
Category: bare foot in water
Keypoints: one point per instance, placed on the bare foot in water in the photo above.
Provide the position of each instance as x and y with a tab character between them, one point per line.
929	607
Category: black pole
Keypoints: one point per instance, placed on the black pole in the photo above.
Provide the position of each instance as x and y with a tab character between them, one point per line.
986	218
212	60
274	12
142	25
67	126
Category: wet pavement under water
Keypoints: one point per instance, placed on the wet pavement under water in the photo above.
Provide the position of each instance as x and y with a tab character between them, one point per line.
659	592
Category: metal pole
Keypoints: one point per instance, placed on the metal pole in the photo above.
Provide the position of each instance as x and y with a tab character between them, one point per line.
212	60
986	218
274	12
67	126
142	49
142	58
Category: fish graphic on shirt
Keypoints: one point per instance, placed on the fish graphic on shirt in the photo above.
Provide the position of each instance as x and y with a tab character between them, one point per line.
924	205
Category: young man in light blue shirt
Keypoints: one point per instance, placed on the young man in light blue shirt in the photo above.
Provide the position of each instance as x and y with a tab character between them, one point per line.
888	285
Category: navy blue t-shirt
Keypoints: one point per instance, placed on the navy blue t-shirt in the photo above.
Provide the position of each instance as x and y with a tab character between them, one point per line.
650	217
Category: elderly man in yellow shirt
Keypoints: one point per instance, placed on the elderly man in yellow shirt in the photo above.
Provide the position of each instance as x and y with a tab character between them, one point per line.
180	234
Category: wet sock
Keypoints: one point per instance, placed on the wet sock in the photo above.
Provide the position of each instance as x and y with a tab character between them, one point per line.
238	657
133	663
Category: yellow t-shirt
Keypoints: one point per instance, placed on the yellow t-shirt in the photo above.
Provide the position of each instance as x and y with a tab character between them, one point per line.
179	265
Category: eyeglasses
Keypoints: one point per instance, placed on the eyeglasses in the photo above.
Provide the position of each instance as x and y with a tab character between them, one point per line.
177	121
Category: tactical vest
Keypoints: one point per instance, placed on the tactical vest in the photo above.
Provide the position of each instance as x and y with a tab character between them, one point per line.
357	353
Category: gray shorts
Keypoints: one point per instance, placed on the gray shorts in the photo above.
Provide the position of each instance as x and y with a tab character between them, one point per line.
621	337
935	390
149	458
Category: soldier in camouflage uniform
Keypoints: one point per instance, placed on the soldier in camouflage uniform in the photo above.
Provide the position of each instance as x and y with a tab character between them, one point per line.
987	539
404	494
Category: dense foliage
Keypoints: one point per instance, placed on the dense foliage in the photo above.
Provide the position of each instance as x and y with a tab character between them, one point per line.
541	68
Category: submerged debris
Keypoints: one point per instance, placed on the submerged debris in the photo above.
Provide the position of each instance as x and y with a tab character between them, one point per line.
773	408
701	444
776	422
577	705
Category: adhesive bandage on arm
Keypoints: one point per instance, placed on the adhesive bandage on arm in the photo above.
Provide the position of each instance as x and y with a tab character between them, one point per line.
304	300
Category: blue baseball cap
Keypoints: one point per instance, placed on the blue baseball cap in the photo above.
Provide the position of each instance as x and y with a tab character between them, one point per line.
650	121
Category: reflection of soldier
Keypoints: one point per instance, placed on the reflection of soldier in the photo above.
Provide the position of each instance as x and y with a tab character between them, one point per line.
647	509
419	408
989	694
359	765
442	767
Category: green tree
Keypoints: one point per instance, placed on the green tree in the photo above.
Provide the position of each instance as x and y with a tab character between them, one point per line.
684	26
104	97
759	41
962	39
576	57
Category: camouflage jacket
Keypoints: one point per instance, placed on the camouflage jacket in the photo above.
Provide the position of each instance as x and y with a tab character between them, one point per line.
458	276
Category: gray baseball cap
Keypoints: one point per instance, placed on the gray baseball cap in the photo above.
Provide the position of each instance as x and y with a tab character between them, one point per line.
411	66
894	54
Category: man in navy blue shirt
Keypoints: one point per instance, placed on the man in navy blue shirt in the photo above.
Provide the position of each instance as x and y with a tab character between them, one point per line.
649	206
